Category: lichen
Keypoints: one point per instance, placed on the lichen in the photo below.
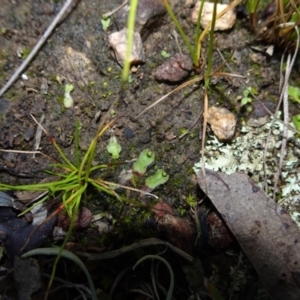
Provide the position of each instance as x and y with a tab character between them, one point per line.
246	153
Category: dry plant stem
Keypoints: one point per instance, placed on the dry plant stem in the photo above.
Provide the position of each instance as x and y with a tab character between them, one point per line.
205	109
142	243
110	13
285	125
194	80
36	48
284	98
128	188
208	26
38	135
21	151
284	94
175	34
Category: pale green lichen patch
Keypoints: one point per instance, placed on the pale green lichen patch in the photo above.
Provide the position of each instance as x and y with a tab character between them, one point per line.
245	154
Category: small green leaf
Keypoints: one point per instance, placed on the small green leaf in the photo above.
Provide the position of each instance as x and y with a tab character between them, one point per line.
296	121
245	101
246	92
68	100
113	147
294	93
165	54
130	79
105	23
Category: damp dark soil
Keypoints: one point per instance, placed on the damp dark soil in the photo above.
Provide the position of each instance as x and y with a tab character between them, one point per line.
78	53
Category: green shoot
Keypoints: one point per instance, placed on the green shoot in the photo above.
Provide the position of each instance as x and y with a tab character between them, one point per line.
197	34
165	54
210	47
252	6
70	181
67	254
130	33
105	22
181	32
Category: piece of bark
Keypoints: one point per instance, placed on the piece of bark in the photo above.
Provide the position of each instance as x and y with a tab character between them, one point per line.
267	234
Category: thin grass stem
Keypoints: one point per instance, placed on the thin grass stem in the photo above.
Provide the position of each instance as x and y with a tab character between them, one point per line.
130	33
181	32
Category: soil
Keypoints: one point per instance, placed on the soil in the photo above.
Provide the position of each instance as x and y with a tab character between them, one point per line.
78	53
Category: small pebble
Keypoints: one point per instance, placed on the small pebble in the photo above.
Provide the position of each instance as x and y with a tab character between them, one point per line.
224	23
175	69
145	137
118	42
129	133
222	122
29	134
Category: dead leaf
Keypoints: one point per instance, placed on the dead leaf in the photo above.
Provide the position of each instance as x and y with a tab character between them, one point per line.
267	234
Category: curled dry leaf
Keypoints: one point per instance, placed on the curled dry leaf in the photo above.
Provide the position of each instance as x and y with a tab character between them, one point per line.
267	234
223	23
222	122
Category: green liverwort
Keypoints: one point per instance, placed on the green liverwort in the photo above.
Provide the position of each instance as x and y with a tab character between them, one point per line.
145	159
68	100
160	177
113	147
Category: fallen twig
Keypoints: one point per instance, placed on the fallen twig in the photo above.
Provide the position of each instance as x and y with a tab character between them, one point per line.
142	243
36	48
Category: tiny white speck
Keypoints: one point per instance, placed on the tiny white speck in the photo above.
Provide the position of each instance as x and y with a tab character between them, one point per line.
24	76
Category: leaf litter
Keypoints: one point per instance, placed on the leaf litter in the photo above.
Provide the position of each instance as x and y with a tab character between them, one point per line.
264	230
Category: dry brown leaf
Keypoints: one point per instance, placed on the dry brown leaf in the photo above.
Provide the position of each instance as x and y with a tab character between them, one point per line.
267	234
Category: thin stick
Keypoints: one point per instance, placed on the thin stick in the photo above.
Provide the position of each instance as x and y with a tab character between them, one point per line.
142	243
36	48
110	13
284	97
38	135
